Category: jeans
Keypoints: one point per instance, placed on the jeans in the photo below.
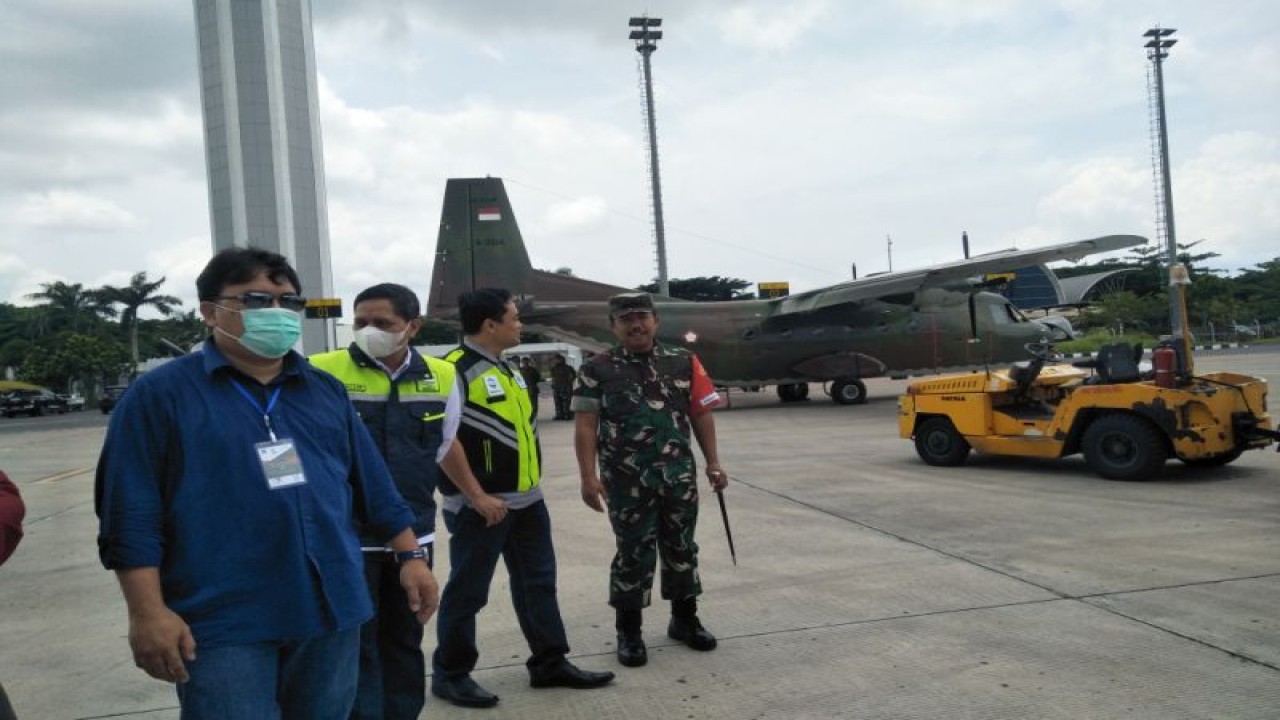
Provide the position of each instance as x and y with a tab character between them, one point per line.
392	666
523	540
312	679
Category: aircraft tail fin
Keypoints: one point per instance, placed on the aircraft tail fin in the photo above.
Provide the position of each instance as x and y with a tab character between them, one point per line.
479	245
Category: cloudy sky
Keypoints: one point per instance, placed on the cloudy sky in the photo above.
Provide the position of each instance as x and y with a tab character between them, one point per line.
796	136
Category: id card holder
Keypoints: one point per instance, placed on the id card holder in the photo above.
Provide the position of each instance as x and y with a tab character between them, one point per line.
493	389
280	464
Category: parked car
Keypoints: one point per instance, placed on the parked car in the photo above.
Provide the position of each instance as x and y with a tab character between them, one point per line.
32	402
75	401
109	397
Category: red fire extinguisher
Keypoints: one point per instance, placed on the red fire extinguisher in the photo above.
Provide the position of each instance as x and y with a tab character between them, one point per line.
1165	361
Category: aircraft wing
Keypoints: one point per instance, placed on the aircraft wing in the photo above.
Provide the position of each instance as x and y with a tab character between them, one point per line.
876	286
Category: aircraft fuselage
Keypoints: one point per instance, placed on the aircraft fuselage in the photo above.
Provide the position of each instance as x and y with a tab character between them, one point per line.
749	342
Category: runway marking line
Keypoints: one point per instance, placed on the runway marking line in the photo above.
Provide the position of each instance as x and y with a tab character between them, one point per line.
62	476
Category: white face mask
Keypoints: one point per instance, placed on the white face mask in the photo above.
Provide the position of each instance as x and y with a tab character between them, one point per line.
377	343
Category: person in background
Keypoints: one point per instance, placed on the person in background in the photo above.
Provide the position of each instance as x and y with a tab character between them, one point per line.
532	378
562	377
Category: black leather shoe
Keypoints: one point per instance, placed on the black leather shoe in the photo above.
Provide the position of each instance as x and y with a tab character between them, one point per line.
631	650
567	675
463	692
691	633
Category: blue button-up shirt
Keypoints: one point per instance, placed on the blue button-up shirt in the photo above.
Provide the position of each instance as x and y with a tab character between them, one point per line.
180	487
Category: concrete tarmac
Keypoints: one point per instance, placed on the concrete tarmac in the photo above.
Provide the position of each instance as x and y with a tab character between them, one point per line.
868	584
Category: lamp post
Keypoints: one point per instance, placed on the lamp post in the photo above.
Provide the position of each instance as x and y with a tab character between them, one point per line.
1157	50
646	35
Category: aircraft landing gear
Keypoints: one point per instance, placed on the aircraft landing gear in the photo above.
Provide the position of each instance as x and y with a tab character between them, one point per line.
849	391
793	392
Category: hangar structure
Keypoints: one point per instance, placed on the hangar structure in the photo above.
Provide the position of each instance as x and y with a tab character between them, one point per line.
1038	286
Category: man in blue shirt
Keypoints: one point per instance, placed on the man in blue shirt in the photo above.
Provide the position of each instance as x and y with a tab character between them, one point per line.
230	489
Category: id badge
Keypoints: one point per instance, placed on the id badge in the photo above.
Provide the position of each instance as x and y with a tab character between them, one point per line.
280	463
493	389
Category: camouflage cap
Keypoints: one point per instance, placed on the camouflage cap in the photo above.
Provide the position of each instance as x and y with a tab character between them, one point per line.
625	303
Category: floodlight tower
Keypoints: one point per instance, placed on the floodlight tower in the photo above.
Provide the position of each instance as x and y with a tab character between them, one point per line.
646	35
1158	46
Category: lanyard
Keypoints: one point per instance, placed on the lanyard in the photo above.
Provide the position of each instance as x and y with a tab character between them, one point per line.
266	412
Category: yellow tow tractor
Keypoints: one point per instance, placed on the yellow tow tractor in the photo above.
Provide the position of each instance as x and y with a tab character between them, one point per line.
1127	423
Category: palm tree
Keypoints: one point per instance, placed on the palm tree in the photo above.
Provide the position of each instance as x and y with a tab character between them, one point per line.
69	303
137	294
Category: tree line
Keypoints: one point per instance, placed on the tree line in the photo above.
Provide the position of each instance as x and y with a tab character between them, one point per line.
78	337
86	337
1217	303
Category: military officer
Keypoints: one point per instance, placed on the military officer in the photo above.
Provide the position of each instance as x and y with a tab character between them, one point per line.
635	406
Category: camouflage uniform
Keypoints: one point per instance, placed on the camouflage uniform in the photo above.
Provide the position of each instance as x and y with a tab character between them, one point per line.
647	468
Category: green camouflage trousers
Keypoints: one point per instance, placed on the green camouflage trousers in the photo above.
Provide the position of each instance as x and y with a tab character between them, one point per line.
653	510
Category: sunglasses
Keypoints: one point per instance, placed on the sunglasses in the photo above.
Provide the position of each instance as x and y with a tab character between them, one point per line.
258	300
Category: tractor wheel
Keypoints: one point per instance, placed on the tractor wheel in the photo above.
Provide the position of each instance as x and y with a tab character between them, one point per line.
848	391
938	442
1124	447
1225	458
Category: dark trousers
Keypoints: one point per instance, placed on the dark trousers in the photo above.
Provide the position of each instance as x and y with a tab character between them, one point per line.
563	397
523	541
393	668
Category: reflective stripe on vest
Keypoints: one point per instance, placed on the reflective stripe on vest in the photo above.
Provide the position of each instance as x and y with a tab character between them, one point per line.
373	385
497	425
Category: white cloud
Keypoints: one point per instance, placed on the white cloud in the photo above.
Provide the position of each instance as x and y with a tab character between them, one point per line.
1099	192
1227	195
73	209
794	136
769	26
576	217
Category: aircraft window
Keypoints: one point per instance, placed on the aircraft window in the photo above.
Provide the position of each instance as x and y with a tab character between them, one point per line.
1000	314
1016	314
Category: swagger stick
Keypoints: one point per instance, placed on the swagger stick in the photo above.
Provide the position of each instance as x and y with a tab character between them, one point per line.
724	515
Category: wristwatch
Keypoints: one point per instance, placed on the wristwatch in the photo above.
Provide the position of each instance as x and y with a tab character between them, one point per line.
405	556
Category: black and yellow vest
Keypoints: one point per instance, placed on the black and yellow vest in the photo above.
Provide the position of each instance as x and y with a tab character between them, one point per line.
497	430
405	419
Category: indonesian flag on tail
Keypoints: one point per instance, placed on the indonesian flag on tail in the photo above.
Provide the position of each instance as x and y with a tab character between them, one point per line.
488	213
702	392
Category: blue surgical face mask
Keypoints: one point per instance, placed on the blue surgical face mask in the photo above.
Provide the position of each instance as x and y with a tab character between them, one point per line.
268	332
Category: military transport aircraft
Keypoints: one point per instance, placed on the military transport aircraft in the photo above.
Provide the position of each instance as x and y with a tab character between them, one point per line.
931	319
